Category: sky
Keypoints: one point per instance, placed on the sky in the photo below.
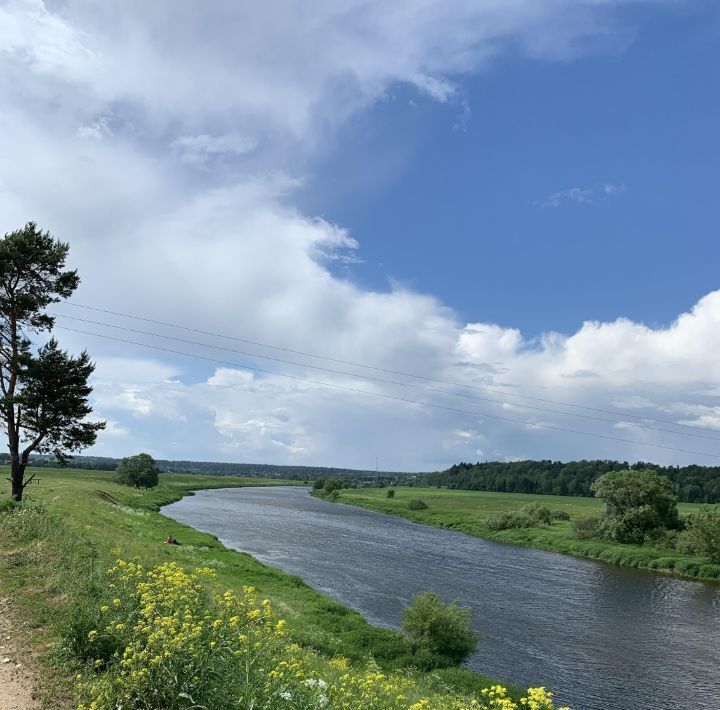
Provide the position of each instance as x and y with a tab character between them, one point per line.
396	234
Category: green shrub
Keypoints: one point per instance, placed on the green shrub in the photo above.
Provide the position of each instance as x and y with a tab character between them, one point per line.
7	506
181	647
439	634
529	516
390	493
638	504
587	528
663	539
539	514
560	515
417	504
332	484
702	534
139	471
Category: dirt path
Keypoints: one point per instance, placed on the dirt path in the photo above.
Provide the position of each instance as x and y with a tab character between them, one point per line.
16	680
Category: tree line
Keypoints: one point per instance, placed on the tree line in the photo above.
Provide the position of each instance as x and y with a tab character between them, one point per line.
218	468
692	484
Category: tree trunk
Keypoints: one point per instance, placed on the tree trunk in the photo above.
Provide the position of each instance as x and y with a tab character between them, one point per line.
17	472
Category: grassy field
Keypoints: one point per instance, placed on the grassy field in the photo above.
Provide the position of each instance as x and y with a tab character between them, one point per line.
466	511
98	521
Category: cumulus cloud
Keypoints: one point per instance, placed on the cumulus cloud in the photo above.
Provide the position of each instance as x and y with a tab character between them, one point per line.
107	112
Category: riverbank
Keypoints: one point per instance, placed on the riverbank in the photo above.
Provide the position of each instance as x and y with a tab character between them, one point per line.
91	522
465	511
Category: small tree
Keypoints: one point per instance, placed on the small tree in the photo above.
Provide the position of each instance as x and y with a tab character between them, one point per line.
332	484
702	535
43	396
439	634
638	504
139	471
390	493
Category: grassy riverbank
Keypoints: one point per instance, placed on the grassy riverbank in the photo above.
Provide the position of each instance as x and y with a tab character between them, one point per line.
91	522
465	511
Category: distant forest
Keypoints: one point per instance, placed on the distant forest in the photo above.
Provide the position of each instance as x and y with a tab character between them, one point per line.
293	473
694	484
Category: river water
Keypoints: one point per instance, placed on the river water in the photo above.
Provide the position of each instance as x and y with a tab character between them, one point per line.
603	637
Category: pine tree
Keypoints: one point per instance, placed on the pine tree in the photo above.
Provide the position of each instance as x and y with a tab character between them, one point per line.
44	396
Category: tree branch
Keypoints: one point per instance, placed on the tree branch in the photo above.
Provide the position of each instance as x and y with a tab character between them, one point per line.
29	479
33	445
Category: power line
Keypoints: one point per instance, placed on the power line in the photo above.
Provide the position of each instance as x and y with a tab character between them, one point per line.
454	383
393	397
382	380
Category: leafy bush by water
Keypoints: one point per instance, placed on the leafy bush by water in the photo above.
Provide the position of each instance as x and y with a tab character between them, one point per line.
529	516
587	528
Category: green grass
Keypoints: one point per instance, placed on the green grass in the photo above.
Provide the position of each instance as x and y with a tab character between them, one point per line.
465	511
93	521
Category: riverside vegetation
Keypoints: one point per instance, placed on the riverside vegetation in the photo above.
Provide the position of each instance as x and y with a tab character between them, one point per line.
685	542
139	624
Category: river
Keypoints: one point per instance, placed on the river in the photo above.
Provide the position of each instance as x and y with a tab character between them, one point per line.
602	637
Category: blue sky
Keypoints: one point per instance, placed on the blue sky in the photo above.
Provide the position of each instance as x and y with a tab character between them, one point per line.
513	195
461	217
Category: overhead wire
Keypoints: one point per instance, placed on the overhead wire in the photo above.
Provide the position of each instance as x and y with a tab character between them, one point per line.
454	383
484	415
384	380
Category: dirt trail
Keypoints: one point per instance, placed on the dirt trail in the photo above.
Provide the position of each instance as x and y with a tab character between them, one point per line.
16	680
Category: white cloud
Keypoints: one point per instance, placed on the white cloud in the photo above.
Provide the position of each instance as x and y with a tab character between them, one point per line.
109	109
199	149
582	195
578	195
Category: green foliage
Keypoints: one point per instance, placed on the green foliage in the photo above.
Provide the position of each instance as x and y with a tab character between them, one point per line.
637	505
695	484
587	527
139	471
44	402
702	534
529	516
332	484
417	504
390	493
439	634
55	561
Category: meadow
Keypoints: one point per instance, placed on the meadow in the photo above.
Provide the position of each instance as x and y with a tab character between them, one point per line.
81	522
466	511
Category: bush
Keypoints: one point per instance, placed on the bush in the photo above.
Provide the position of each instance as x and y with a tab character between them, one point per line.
638	504
390	493
417	504
560	515
179	647
529	516
587	528
663	539
702	535
139	471
503	521
439	634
